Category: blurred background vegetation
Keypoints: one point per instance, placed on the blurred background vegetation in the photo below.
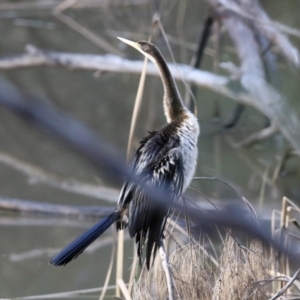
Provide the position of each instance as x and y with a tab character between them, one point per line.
105	100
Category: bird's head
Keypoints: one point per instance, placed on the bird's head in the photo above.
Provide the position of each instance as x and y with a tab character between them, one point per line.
147	49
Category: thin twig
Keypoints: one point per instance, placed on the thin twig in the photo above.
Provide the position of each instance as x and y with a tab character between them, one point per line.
108	274
65	5
124	289
259	136
119	261
88	34
284	289
136	109
248	204
133	270
168	271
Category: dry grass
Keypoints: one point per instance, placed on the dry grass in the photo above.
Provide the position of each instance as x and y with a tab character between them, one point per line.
241	274
242	270
236	272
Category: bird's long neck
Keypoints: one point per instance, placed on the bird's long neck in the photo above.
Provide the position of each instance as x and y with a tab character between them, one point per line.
173	106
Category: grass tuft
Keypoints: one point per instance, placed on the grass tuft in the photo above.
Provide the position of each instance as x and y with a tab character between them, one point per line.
242	273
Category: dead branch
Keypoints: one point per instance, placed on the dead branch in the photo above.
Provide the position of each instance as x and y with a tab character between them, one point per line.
261	95
252	75
284	289
37	221
110	63
51	4
259	19
88	34
259	136
26	206
282	162
37	175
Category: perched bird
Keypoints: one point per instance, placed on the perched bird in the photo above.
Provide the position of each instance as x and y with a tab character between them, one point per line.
166	159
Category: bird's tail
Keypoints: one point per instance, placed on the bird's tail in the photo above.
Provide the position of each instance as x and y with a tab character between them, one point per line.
82	242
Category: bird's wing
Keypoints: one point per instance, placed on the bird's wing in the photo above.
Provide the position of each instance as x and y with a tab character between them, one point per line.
146	218
143	156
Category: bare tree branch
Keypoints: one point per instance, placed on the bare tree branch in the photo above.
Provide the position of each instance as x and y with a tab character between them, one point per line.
261	95
51	4
253	12
259	136
252	77
111	63
37	175
285	288
18	205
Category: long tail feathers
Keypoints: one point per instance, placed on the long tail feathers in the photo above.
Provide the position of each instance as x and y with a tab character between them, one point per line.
76	247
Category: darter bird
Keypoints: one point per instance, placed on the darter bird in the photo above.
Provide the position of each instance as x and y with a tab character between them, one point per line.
166	159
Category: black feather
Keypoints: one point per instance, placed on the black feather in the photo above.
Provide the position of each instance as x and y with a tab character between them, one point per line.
158	162
76	247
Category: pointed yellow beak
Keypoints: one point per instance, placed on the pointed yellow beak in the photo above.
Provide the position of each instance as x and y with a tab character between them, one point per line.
130	43
137	46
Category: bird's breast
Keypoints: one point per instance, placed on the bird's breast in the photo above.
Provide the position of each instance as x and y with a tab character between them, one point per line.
189	132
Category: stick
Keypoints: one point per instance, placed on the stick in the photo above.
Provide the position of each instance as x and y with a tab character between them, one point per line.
21	205
168	271
284	289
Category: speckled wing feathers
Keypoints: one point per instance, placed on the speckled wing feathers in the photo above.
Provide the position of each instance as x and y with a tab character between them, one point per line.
159	163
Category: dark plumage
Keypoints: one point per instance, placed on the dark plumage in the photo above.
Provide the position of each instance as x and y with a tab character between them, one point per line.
158	162
76	247
166	159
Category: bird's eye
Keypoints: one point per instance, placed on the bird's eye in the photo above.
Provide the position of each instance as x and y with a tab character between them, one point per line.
145	47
